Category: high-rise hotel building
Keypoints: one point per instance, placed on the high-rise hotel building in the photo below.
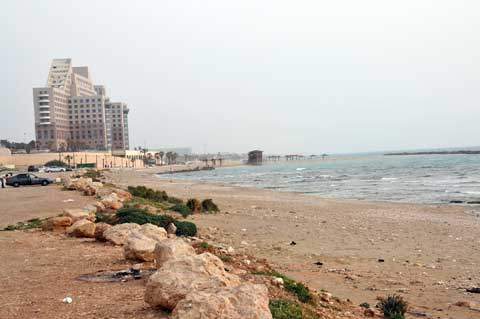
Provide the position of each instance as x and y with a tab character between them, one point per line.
73	114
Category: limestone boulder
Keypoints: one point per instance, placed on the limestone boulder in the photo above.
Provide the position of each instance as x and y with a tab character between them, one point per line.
139	247
154	232
180	276
170	249
78	184
79	213
118	234
99	206
57	223
123	195
82	228
243	301
112	201
140	244
171	229
100	229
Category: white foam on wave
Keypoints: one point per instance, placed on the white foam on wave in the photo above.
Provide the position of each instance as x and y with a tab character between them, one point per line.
301	168
389	178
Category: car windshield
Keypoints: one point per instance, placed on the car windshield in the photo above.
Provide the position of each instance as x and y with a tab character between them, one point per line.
33	176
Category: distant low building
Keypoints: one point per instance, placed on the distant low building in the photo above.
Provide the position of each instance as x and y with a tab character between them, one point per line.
255	157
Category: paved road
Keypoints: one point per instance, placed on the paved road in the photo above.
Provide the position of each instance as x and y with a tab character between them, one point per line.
23	203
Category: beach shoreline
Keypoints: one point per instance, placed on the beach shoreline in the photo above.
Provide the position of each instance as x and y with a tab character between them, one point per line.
426	252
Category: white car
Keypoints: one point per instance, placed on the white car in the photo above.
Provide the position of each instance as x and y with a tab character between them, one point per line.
54	169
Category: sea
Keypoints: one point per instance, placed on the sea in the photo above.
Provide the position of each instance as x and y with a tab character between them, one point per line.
373	177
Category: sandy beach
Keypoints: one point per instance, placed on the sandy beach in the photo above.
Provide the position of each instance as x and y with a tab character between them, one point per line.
427	253
356	250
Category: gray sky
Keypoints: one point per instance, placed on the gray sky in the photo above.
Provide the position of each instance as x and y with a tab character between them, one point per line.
282	76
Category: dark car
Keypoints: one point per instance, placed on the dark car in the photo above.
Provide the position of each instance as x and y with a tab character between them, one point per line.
32	168
28	179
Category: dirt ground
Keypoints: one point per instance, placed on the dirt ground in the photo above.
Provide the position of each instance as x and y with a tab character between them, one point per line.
23	203
39	269
427	253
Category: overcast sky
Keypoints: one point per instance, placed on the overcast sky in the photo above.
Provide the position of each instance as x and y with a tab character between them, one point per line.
282	76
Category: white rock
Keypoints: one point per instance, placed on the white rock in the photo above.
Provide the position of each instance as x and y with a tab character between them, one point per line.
180	276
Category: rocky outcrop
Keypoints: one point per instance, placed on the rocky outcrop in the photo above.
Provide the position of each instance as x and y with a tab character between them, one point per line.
154	232
118	234
123	195
82	228
139	247
79	213
180	276
112	201
100	229
140	244
57	223
171	229
170	249
244	301
82	184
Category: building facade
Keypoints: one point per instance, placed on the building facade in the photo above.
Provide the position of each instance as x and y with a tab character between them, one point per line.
73	114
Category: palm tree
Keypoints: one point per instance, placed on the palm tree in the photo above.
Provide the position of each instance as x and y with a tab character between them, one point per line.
68	158
161	153
174	158
169	157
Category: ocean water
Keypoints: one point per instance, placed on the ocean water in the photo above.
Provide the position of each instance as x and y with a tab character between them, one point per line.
415	179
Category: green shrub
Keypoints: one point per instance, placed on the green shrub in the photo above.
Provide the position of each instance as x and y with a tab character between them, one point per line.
365	305
393	307
209	206
285	309
182	209
104	218
174	200
148	193
142	216
194	205
204	245
56	163
29	224
296	288
225	258
93	174
185	228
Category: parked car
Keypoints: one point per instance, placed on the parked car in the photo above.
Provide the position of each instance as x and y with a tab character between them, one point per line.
32	168
28	179
55	169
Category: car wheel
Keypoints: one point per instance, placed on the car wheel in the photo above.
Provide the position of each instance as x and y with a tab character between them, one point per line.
16	184
44	183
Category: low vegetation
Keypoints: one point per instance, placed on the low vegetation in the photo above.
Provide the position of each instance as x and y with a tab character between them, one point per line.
209	206
194	205
142	216
285	309
160	199
148	193
296	288
393	307
94	174
182	209
29	224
